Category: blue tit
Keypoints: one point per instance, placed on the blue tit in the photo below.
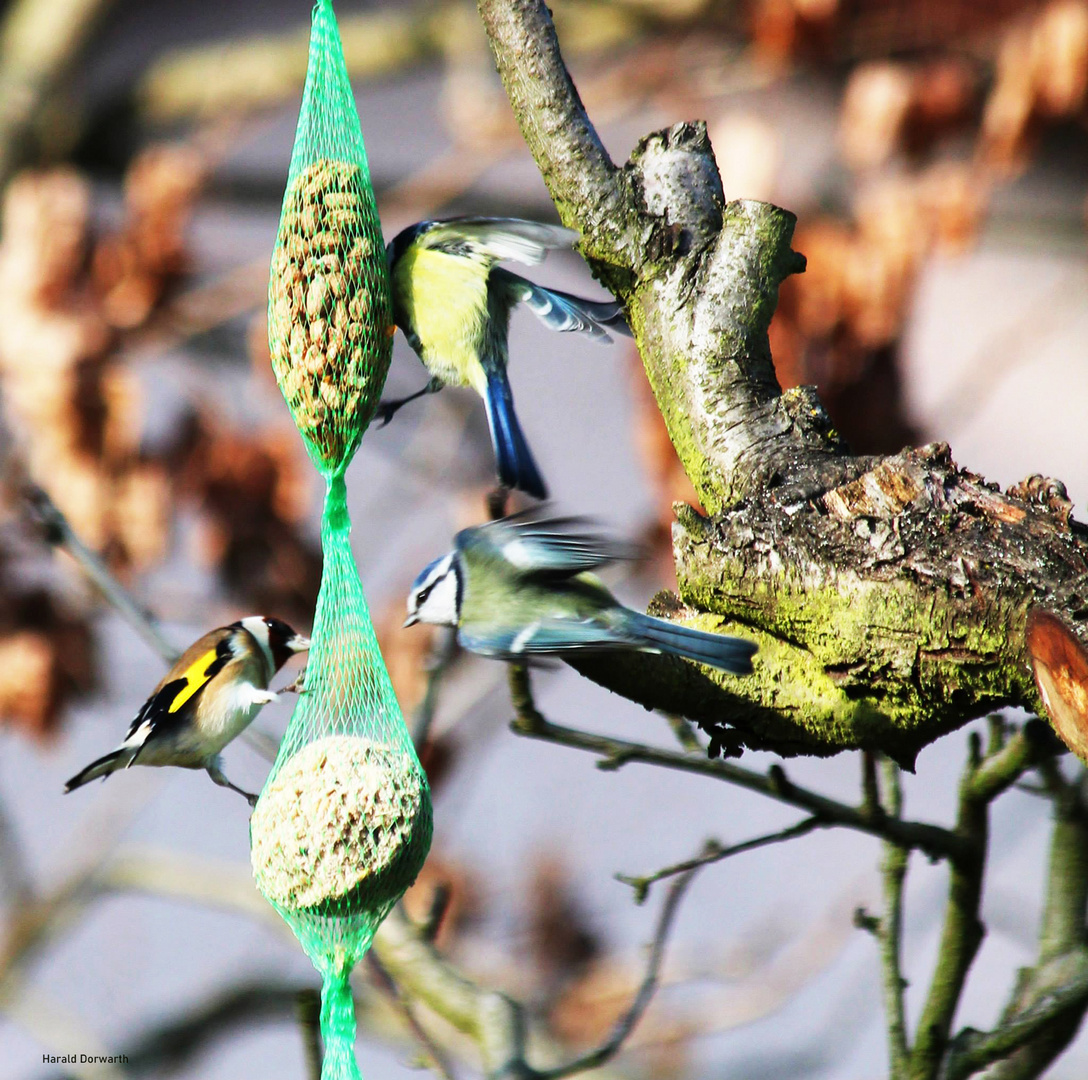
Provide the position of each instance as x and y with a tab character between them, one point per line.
519	588
453	303
208	698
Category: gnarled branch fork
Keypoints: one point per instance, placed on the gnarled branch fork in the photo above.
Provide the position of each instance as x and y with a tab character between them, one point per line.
888	596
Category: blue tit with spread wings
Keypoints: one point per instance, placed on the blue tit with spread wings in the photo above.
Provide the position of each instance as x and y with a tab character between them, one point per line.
453	302
520	588
209	697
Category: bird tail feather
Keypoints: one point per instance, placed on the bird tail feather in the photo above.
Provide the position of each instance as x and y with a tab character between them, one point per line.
730	654
516	466
116	759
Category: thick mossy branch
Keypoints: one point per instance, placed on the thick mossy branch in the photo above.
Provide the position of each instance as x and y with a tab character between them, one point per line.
889	608
888	596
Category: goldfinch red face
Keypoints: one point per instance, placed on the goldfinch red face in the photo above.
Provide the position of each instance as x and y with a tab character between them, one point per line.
277	641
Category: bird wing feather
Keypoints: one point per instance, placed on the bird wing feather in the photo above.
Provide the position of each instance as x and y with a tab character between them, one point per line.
173	700
543	547
496	239
538	638
564	312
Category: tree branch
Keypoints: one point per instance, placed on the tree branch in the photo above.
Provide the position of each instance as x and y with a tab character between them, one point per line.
627	1023
962	931
1050	999
60	534
888	596
580	176
436	1059
893	872
934	841
715	852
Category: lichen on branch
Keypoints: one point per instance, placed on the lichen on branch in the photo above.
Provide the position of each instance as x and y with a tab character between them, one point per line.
888	596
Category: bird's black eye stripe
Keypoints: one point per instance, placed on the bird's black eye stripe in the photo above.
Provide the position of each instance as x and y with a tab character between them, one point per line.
424	593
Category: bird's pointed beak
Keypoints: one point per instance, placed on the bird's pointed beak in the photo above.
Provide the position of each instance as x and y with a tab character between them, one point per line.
410	621
298	643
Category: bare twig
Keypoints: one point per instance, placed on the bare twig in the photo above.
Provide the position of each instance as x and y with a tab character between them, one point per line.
627	1023
984	779
443	654
890	932
934	841
973	1050
1051	998
60	534
387	984
714	852
308	1012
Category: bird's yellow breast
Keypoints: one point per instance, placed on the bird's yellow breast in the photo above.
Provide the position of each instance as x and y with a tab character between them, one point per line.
444	298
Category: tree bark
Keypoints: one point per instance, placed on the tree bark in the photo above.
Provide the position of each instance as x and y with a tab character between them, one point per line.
888	596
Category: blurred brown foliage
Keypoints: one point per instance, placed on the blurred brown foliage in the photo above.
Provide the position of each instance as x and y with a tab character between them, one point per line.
70	296
252	492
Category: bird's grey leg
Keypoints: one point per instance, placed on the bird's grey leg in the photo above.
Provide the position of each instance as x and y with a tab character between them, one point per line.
216	773
296	687
386	410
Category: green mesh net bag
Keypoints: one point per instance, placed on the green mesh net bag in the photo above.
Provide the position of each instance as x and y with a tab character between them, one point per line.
344	821
330	322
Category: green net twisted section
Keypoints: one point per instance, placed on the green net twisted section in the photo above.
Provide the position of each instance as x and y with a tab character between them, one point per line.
343	824
330	322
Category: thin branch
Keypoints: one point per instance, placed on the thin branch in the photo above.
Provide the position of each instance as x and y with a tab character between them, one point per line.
1046	1009
714	852
60	534
388	985
934	841
308	1013
443	655
984	779
974	1050
890	932
627	1023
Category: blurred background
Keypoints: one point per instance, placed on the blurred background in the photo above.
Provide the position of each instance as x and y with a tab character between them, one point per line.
936	156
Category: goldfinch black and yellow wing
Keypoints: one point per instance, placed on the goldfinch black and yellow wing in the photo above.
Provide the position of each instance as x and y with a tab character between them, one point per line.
179	691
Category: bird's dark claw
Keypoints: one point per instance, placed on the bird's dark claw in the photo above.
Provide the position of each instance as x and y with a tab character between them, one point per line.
298	686
386	410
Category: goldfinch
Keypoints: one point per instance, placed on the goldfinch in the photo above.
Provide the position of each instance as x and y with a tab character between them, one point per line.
519	589
205	700
453	301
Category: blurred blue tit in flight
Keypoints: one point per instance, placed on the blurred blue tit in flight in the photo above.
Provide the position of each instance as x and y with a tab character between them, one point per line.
209	697
518	589
453	302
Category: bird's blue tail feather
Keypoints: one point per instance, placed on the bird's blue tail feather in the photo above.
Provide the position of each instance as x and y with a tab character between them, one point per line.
730	654
516	466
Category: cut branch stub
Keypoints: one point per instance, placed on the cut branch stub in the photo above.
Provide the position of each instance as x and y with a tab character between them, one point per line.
1060	663
705	286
